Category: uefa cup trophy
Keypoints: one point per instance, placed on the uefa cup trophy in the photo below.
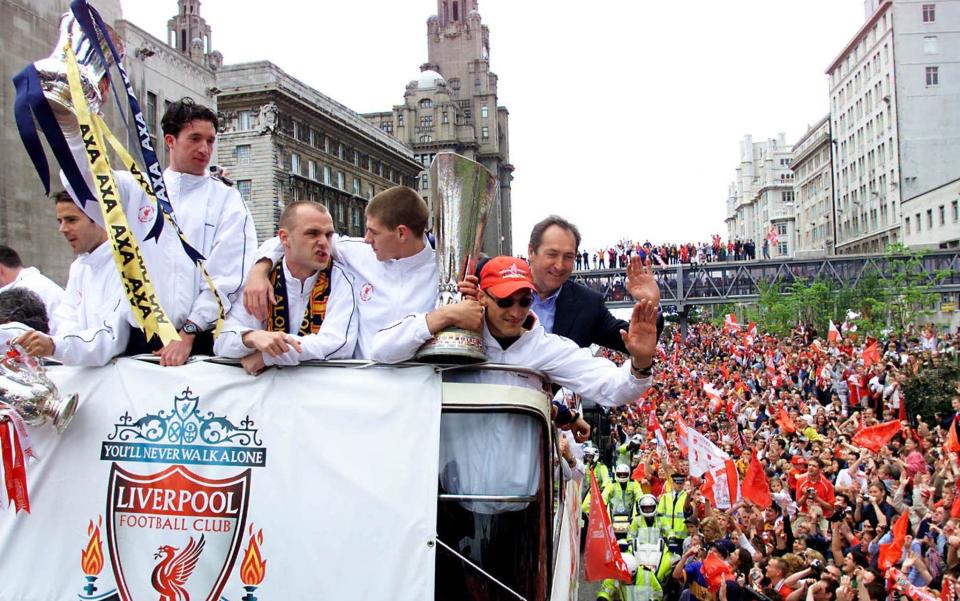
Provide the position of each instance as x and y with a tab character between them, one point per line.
25	387
94	75
462	192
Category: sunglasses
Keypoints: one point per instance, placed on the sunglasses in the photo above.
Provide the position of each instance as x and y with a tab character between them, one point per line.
506	303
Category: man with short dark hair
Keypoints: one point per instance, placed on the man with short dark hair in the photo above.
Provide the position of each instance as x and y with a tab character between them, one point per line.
213	218
21	310
91	326
14	275
394	271
316	315
570	309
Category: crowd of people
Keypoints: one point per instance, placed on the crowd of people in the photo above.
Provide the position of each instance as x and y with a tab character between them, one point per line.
616	256
843	492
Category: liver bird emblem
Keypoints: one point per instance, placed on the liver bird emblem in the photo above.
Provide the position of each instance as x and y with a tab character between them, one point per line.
171	574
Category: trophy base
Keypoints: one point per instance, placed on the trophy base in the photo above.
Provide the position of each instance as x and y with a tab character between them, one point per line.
63	412
453	346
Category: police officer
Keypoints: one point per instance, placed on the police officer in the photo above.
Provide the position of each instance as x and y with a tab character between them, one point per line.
620	497
673	508
651	552
591	456
626	450
614	590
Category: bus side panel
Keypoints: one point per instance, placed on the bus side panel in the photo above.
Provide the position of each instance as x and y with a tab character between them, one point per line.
566	568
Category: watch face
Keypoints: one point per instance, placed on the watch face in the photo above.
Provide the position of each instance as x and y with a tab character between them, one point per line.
190	328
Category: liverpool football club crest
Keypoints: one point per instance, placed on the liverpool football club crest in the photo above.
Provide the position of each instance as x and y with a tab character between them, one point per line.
177	500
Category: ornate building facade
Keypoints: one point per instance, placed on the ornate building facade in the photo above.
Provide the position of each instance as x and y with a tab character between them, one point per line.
453	106
283	141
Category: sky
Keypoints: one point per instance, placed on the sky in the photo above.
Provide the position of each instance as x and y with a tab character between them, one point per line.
626	116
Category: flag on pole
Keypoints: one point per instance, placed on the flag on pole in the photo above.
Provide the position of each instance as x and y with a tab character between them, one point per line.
730	323
890	553
871	354
755	487
875	437
833	335
601	557
722	481
772	236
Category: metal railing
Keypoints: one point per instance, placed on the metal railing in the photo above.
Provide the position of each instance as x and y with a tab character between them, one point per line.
740	281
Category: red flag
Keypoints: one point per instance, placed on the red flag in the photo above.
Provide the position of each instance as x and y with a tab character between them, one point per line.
875	437
730	323
725	371
786	422
638	473
891	552
955	508
833	335
601	556
706	489
953	443
871	354
716	570
755	487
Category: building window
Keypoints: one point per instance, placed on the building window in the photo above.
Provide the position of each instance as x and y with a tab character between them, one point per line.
426	120
340	150
955	209
355	216
312	169
151	116
906	225
476	83
917	221
371	192
297	129
943	215
295	163
454	84
788	196
242	154
484	132
933	76
426	103
244	187
356	186
426	138
930	44
781	229
341	181
446	117
387	126
929	13
424	181
243	120
400	120
782	248
929	219
340	212
327	175
484	113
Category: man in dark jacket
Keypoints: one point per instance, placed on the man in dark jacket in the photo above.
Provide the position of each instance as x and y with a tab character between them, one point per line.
569	309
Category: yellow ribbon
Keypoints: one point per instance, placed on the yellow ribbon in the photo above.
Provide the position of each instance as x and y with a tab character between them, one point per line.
138	174
144	303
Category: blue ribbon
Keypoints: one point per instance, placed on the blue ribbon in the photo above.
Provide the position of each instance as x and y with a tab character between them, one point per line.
31	102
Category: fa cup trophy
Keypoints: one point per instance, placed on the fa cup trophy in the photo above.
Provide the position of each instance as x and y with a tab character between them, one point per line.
462	192
25	387
94	78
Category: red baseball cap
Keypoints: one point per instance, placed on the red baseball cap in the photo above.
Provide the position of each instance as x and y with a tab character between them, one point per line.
502	276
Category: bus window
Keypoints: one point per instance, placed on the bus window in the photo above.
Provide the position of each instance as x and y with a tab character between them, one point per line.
492	509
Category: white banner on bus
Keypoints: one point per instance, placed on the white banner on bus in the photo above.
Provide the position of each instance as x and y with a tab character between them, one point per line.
304	483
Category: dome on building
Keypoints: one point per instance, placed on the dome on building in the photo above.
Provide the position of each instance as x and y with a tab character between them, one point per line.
429	79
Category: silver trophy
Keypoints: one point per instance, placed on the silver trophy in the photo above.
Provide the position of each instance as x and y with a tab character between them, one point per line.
24	385
462	192
94	75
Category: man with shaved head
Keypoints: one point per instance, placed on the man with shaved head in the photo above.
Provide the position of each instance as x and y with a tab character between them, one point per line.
315	315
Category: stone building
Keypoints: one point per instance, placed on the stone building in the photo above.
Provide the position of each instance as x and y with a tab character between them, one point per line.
895	107
452	105
934	218
813	192
282	141
761	198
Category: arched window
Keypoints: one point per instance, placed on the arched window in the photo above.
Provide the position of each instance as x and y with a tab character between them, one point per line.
426	103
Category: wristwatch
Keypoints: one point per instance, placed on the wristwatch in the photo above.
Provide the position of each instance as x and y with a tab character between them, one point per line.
190	328
643	373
